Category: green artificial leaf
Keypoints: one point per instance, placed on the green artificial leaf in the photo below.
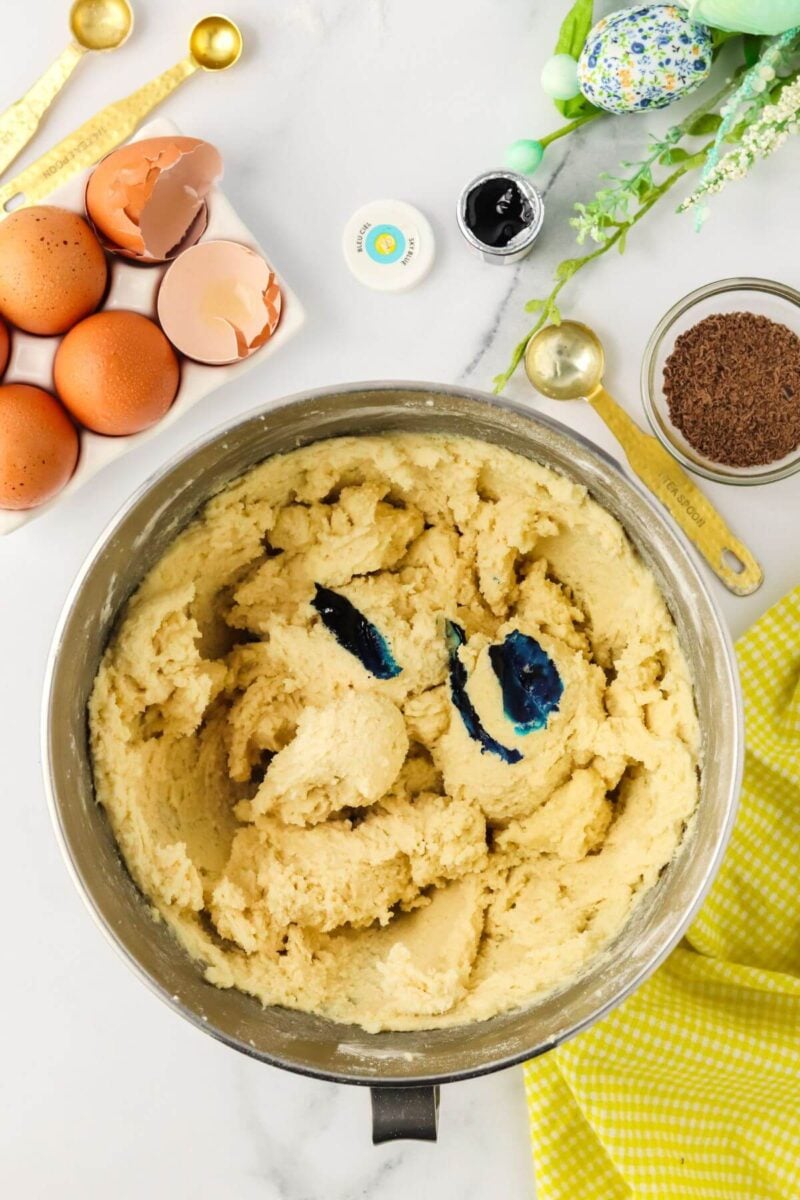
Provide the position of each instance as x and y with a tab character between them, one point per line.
704	124
535	305
578	106
575	28
643	186
571	38
720	36
566	269
554	313
675	154
753	45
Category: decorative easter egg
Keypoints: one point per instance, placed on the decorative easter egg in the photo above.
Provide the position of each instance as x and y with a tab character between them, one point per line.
560	77
746	16
643	57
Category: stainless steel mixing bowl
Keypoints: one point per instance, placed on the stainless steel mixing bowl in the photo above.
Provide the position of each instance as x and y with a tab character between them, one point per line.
402	1068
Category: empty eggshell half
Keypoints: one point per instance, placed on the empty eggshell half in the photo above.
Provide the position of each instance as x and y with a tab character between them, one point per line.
147	200
218	302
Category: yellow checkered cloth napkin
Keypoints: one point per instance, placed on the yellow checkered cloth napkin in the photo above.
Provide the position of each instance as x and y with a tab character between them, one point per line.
691	1088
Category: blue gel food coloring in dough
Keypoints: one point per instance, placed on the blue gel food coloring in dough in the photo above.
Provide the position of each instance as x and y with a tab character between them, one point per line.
355	633
528	679
455	637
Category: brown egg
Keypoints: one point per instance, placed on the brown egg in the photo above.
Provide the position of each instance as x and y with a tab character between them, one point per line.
147	200
5	347
116	372
38	446
52	269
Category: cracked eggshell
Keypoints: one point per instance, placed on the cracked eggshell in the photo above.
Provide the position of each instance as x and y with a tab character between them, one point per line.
219	302
147	200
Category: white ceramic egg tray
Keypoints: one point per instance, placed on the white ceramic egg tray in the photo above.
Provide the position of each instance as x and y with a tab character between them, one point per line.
135	287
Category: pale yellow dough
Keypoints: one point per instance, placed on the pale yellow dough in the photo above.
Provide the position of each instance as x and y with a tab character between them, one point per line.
334	842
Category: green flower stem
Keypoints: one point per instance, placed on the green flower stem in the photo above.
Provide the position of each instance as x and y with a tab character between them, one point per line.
712	104
576	264
569	127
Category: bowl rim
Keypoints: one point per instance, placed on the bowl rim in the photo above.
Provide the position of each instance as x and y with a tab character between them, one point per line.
767	473
730	799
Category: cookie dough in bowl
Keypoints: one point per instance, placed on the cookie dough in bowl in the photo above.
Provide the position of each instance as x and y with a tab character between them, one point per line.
398	731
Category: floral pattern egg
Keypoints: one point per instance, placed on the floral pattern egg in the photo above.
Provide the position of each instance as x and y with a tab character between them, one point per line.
644	57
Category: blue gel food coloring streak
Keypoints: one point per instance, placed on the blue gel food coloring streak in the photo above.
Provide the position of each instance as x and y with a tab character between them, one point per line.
455	637
529	681
355	633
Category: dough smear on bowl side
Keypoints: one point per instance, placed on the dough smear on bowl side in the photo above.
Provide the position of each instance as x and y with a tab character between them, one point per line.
398	731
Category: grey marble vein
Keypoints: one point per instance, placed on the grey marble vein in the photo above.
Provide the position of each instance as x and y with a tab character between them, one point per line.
497	319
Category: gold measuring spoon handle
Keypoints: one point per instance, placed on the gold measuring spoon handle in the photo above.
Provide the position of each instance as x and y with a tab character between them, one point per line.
94	139
19	123
696	515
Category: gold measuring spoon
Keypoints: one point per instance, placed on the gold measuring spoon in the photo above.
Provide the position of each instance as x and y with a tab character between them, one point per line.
215	43
95	25
565	362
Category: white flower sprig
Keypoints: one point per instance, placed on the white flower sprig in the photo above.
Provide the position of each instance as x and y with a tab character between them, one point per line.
776	122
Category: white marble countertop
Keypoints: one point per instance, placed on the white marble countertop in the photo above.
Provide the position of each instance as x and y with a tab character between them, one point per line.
103	1090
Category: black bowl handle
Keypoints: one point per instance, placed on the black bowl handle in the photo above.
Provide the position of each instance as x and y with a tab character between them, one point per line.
404	1112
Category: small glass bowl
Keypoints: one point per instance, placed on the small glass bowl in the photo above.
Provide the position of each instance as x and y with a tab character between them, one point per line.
763	296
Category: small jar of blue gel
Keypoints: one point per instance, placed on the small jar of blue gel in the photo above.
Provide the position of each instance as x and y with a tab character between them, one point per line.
500	215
